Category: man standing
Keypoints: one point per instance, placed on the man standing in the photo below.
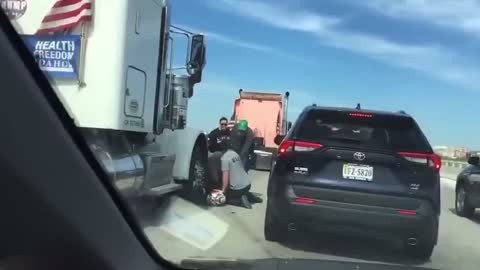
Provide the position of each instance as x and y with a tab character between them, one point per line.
247	142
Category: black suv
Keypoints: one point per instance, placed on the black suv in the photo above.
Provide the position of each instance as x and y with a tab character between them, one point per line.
467	189
352	169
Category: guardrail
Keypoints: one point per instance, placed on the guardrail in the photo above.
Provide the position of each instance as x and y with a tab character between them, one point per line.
454	164
450	169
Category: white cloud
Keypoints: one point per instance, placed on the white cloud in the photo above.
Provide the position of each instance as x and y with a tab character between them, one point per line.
238	43
277	15
457	14
227	40
435	61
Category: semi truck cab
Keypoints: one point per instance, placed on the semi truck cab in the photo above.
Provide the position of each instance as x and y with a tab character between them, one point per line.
117	81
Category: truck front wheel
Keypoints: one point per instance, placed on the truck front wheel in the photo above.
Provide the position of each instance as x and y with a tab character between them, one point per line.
195	188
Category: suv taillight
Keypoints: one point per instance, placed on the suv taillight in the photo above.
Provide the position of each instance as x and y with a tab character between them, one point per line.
296	146
431	160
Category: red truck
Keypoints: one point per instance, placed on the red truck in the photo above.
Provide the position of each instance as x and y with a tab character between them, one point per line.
266	114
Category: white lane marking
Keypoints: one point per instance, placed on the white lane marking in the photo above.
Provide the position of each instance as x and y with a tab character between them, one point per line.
446	182
192	224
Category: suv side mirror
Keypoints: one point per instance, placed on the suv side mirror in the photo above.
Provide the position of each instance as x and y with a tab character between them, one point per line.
474	160
289	125
278	139
196	62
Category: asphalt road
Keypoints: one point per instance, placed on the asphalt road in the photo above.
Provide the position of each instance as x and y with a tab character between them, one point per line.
180	230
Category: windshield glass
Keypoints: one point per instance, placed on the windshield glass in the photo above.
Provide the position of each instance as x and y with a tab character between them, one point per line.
201	114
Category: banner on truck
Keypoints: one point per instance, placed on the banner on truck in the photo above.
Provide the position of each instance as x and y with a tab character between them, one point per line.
57	55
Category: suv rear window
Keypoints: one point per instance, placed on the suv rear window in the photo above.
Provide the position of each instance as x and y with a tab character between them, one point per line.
396	133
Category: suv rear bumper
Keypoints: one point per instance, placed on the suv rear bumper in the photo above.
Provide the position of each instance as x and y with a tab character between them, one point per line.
339	215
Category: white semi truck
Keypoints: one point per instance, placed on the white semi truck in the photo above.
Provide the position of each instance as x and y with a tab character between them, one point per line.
129	101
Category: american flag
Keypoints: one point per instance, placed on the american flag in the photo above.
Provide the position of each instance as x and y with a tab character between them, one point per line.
66	14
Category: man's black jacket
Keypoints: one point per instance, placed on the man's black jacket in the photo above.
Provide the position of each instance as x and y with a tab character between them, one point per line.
216	139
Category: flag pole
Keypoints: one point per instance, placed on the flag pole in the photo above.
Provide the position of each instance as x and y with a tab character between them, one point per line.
83	49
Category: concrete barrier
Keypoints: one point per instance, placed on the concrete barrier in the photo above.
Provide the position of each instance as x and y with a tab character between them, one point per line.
450	173
451	169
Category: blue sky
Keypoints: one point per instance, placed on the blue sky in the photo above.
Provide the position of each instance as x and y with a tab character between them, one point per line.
420	56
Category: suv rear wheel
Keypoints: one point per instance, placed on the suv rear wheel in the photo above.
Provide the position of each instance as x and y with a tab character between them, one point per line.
462	207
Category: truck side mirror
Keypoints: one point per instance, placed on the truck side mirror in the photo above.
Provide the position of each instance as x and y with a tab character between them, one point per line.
278	139
197	62
474	160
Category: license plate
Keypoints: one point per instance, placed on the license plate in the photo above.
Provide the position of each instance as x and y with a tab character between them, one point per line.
357	172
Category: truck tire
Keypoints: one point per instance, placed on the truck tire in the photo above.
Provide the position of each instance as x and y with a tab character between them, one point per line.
195	188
